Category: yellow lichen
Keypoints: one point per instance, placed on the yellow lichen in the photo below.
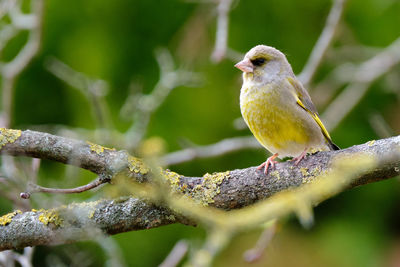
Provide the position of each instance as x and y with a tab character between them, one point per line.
276	175
6	219
137	165
170	217
8	136
91	214
316	171
304	171
92	208
174	180
50	216
370	143
98	149
309	176
205	192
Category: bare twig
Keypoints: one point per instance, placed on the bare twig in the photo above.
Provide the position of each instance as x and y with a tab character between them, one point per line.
8	258
216	240
176	255
35	165
34	188
323	43
7	32
220	148
221	38
12	69
366	73
380	126
266	236
113	252
25	259
6	6
145	105
93	89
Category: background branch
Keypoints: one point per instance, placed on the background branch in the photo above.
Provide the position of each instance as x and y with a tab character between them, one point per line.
221	36
220	148
145	105
323	43
364	76
10	70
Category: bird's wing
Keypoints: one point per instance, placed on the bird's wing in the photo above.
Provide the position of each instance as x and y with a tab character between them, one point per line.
302	94
304	101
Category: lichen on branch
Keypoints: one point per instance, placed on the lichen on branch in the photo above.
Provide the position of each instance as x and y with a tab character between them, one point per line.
220	191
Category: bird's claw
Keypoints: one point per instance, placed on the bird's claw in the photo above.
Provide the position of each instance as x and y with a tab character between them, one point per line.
300	157
267	163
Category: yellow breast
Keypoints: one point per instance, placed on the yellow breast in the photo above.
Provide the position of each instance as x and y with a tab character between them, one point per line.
273	122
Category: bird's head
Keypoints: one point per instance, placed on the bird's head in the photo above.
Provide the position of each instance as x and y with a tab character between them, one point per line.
263	63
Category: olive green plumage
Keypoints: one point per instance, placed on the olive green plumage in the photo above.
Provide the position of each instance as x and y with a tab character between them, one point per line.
277	108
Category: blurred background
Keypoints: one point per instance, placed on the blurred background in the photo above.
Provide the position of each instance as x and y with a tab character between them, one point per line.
154	77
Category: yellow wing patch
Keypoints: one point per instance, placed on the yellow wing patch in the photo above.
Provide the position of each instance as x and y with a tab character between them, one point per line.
317	120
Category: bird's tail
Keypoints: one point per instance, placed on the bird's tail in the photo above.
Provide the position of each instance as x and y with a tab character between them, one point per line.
332	146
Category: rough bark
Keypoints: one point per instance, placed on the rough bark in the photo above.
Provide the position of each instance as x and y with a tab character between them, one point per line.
227	190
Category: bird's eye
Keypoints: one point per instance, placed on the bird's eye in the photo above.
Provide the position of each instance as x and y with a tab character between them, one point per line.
258	61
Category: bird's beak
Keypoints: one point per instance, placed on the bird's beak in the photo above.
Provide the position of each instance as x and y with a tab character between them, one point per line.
245	65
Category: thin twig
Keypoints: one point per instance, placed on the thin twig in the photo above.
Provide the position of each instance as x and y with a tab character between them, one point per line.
323	43
6	6
12	69
24	259
264	240
7	258
220	148
216	240
366	74
7	32
113	252
146	105
380	126
221	36
34	188
176	255
93	89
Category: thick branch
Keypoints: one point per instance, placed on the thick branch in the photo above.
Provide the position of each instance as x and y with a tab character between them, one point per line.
228	190
81	221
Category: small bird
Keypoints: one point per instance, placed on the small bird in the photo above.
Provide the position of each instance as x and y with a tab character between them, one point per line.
277	108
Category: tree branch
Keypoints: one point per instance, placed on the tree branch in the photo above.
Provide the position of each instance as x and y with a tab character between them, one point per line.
219	148
323	43
81	221
226	190
10	70
221	39
363	77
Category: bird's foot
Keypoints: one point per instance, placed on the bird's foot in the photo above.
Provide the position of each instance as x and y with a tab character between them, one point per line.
300	157
267	163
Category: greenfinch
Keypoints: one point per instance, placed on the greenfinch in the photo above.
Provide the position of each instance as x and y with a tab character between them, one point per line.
277	108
